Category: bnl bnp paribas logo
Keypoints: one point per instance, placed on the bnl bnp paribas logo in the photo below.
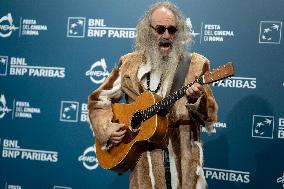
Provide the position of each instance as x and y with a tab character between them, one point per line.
27	27
69	111
20	67
12	150
79	27
263	127
3	65
270	32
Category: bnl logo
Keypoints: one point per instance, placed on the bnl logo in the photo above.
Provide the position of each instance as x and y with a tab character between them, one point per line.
262	126
3	65
76	27
69	111
270	32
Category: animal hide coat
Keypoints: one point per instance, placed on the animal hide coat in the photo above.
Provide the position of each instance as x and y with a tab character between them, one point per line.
185	148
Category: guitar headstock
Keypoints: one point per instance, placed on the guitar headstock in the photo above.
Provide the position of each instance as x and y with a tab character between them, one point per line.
220	73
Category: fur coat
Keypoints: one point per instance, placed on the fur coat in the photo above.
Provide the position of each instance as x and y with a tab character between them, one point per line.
185	149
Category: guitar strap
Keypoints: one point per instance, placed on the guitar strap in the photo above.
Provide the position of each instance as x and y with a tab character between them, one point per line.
181	71
178	81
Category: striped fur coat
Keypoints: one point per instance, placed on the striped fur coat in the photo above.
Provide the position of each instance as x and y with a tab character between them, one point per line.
185	149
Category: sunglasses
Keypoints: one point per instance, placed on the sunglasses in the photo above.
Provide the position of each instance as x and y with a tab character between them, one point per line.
161	29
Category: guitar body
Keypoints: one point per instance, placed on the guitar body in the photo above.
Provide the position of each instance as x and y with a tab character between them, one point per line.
125	155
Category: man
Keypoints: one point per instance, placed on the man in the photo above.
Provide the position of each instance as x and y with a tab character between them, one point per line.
162	35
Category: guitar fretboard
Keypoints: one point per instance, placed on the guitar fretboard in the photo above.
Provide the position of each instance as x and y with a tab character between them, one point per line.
208	77
167	101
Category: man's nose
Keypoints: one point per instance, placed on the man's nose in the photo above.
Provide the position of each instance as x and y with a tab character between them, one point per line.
166	35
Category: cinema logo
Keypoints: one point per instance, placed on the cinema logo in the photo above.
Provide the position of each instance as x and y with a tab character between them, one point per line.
12	150
20	67
270	32
216	126
192	32
89	158
98	72
69	111
236	82
31	27
6	26
12	186
3	106
281	180
79	27
28	26
227	175
214	33
21	109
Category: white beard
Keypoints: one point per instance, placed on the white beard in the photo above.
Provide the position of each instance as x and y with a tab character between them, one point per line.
166	65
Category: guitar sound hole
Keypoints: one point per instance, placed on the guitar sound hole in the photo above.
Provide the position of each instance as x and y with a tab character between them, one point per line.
136	120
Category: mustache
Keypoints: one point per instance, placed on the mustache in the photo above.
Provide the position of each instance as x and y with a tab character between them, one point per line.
165	42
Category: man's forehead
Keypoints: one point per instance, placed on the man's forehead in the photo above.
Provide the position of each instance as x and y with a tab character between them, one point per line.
163	14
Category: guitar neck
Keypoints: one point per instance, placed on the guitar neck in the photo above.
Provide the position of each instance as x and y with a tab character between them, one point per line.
222	72
168	101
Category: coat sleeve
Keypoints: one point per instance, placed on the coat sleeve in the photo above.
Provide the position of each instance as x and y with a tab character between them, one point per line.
204	109
100	109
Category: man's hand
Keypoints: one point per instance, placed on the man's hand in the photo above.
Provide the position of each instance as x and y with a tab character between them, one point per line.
117	136
195	91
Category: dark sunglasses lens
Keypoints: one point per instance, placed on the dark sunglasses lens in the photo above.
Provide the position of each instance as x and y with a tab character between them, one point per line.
172	30
161	29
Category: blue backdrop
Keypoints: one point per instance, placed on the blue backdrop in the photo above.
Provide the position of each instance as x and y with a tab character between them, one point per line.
54	53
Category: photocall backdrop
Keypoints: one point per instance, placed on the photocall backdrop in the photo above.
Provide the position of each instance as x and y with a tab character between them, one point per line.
53	54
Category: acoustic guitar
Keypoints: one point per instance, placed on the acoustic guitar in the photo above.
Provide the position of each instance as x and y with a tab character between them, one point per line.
146	122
